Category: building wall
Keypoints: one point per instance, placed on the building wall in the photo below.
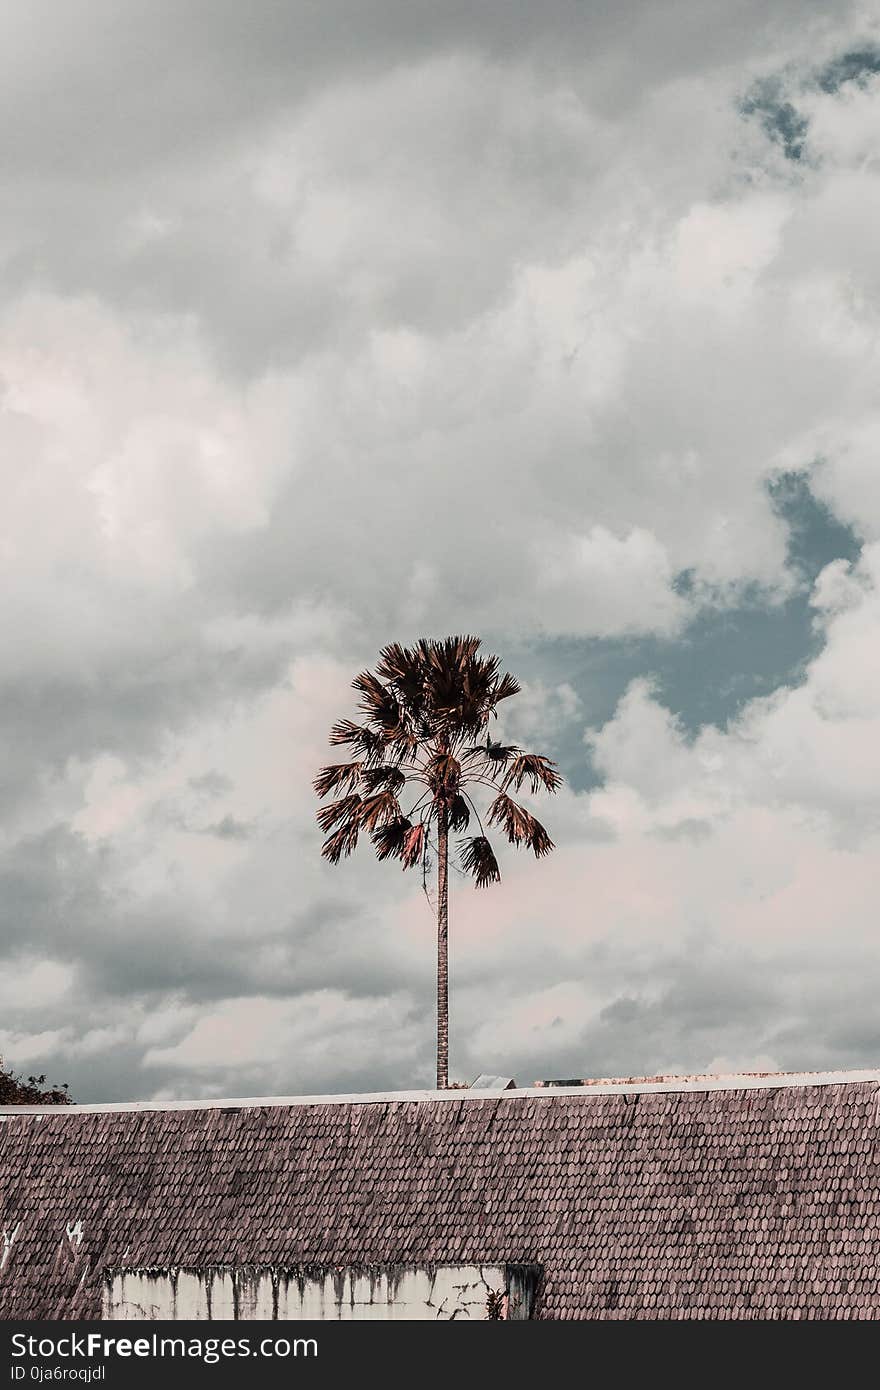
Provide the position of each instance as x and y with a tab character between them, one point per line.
443	1292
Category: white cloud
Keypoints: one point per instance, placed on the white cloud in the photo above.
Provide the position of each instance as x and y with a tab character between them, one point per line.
606	585
540	713
35	984
122	451
597	384
317	1040
721	249
810	750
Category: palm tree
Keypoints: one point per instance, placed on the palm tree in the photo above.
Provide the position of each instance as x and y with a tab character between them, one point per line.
424	738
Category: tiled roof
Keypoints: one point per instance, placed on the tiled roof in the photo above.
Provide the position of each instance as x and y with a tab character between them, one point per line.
712	1199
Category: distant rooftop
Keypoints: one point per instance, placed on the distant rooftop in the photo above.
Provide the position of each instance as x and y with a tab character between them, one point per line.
763	1077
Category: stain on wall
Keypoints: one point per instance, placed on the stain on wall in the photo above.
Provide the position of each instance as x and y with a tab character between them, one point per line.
250	1293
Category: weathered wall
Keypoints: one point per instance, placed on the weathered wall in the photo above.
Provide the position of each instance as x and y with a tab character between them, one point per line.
442	1292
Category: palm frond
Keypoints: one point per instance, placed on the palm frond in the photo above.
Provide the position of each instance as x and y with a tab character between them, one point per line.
520	827
540	842
401	742
397	663
459	813
337	777
508	685
404	670
414	845
443	773
496	754
449	653
378	702
389	839
534	768
341	842
477	858
385	776
345	731
379	809
366	741
343	809
372	692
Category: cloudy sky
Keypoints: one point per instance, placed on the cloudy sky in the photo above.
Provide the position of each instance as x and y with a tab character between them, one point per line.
343	321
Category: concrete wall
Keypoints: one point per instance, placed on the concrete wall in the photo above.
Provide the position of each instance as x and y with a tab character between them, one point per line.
441	1292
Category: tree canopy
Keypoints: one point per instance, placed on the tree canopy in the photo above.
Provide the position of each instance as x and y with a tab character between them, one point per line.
32	1091
426	714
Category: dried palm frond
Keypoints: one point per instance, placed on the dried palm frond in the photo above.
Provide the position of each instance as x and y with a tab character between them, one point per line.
348	807
449	654
398	664
390	839
519	825
404	670
458	684
337	777
395	662
367	742
459	813
513	819
401	743
507	686
534	768
539	842
443	773
341	842
414	845
345	731
378	702
476	858
496	754
372	692
379	809
386	776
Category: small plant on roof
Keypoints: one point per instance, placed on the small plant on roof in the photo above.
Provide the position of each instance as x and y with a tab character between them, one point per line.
419	759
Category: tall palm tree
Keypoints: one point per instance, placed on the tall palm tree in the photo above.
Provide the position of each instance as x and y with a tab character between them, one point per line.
424	739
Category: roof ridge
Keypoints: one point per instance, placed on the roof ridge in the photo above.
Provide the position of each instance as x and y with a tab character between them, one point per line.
733	1081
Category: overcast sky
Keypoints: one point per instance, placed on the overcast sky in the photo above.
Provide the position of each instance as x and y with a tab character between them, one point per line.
335	322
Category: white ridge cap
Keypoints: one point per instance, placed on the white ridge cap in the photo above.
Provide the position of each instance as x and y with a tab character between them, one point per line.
743	1081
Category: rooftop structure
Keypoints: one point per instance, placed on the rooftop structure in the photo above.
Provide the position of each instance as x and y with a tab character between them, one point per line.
690	1197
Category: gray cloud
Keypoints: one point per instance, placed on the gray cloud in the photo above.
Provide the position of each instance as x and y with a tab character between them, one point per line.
229	829
174	76
139	131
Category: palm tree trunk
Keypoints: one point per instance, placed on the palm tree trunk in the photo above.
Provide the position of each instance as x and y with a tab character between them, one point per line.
442	949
